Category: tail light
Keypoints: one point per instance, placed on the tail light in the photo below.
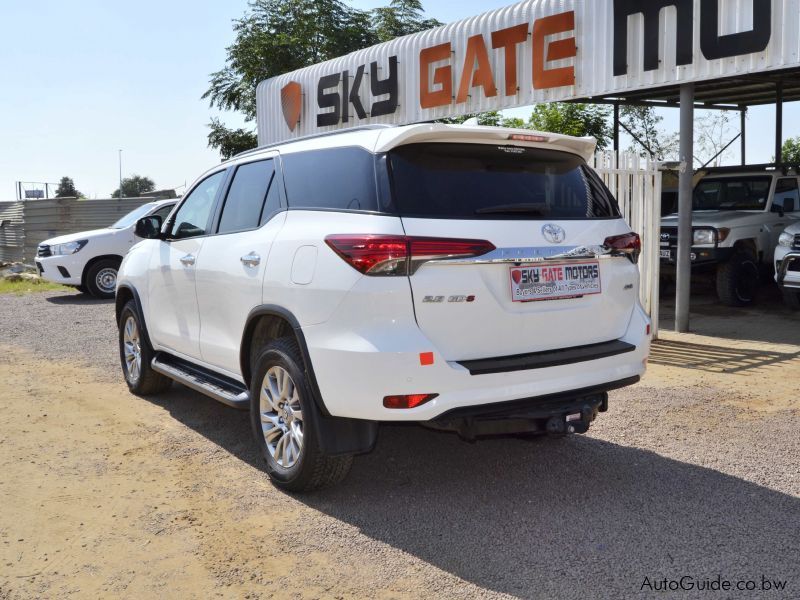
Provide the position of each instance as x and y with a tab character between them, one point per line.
628	244
407	401
383	255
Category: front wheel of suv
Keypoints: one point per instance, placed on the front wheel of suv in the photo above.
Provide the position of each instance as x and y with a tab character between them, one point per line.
737	280
135	355
284	419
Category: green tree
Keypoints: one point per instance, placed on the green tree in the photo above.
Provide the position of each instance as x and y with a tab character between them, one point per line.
66	189
135	186
279	36
401	17
791	151
642	124
573	119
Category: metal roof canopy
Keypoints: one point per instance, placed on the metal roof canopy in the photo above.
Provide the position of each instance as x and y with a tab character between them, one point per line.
724	93
736	93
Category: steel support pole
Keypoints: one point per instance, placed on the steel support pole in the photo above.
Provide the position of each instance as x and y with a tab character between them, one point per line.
616	129
684	261
743	128
779	122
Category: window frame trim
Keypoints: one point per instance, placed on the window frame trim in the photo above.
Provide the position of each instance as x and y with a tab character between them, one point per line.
168	224
276	178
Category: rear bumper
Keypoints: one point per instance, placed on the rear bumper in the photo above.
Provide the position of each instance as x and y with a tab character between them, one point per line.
353	382
65	270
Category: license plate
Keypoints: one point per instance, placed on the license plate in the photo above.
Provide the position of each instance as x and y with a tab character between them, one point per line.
665	254
554	281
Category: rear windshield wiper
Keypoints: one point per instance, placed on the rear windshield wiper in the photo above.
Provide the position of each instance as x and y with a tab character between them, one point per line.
501	209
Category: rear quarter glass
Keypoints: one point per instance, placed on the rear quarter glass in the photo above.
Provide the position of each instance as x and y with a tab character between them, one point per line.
489	181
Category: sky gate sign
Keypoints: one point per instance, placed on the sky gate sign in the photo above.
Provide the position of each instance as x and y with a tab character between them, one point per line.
530	52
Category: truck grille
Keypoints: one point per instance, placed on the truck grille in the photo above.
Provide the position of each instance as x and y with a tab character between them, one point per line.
669	234
43	251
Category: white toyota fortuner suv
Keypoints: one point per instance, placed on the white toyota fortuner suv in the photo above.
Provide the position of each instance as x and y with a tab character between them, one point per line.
473	279
89	260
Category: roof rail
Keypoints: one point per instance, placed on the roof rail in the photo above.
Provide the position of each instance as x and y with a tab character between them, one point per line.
313	136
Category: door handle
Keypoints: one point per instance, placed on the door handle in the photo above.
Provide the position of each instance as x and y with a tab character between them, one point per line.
187	261
251	260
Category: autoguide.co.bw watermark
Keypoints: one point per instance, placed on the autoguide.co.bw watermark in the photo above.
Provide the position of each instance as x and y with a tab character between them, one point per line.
716	584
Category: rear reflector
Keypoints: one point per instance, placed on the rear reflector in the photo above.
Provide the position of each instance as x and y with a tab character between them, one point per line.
425	358
383	255
627	243
408	401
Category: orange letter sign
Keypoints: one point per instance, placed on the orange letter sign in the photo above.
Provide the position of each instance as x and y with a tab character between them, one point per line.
551	78
508	39
442	76
476	51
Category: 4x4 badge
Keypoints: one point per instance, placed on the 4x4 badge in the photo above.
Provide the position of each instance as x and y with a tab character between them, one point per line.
553	233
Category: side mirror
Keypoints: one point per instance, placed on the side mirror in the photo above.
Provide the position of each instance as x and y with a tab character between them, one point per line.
148	228
777	208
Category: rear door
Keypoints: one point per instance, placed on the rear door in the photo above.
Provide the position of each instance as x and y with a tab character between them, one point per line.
532	204
230	270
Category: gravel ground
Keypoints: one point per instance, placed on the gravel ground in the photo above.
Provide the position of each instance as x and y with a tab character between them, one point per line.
693	472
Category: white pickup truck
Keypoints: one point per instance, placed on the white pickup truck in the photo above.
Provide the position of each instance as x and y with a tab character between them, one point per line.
737	219
89	260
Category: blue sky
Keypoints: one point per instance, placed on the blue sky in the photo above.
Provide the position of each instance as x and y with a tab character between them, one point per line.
84	79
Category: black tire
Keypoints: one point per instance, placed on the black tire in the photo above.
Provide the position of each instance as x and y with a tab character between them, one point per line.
791	298
737	280
146	382
311	468
98	279
82	289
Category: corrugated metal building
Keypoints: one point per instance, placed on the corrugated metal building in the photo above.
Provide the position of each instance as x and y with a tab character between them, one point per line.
24	225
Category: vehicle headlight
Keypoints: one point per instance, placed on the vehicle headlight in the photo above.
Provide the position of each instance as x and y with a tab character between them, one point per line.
68	248
786	239
703	237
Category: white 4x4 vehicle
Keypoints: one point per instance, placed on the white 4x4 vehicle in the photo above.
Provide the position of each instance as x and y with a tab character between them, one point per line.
477	280
787	265
737	218
89	260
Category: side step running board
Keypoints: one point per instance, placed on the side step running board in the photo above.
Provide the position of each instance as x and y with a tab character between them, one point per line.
215	386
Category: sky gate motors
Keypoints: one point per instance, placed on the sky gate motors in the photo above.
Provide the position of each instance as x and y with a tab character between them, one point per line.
531	52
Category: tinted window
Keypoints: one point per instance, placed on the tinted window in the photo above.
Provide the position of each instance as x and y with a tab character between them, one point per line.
163	212
485	181
133	216
740	193
246	196
336	178
787	196
193	214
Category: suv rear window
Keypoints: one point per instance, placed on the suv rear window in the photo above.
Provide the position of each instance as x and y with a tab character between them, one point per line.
486	181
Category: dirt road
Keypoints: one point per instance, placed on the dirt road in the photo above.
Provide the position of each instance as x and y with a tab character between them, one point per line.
103	494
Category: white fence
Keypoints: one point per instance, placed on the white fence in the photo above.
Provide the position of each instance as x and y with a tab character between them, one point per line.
636	184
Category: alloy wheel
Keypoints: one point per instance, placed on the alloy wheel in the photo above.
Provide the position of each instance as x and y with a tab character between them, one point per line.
281	417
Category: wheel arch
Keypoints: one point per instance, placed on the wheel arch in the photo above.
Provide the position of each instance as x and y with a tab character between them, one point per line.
268	322
94	260
126	293
337	435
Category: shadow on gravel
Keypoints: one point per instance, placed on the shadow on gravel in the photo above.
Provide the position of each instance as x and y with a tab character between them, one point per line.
543	518
77	299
